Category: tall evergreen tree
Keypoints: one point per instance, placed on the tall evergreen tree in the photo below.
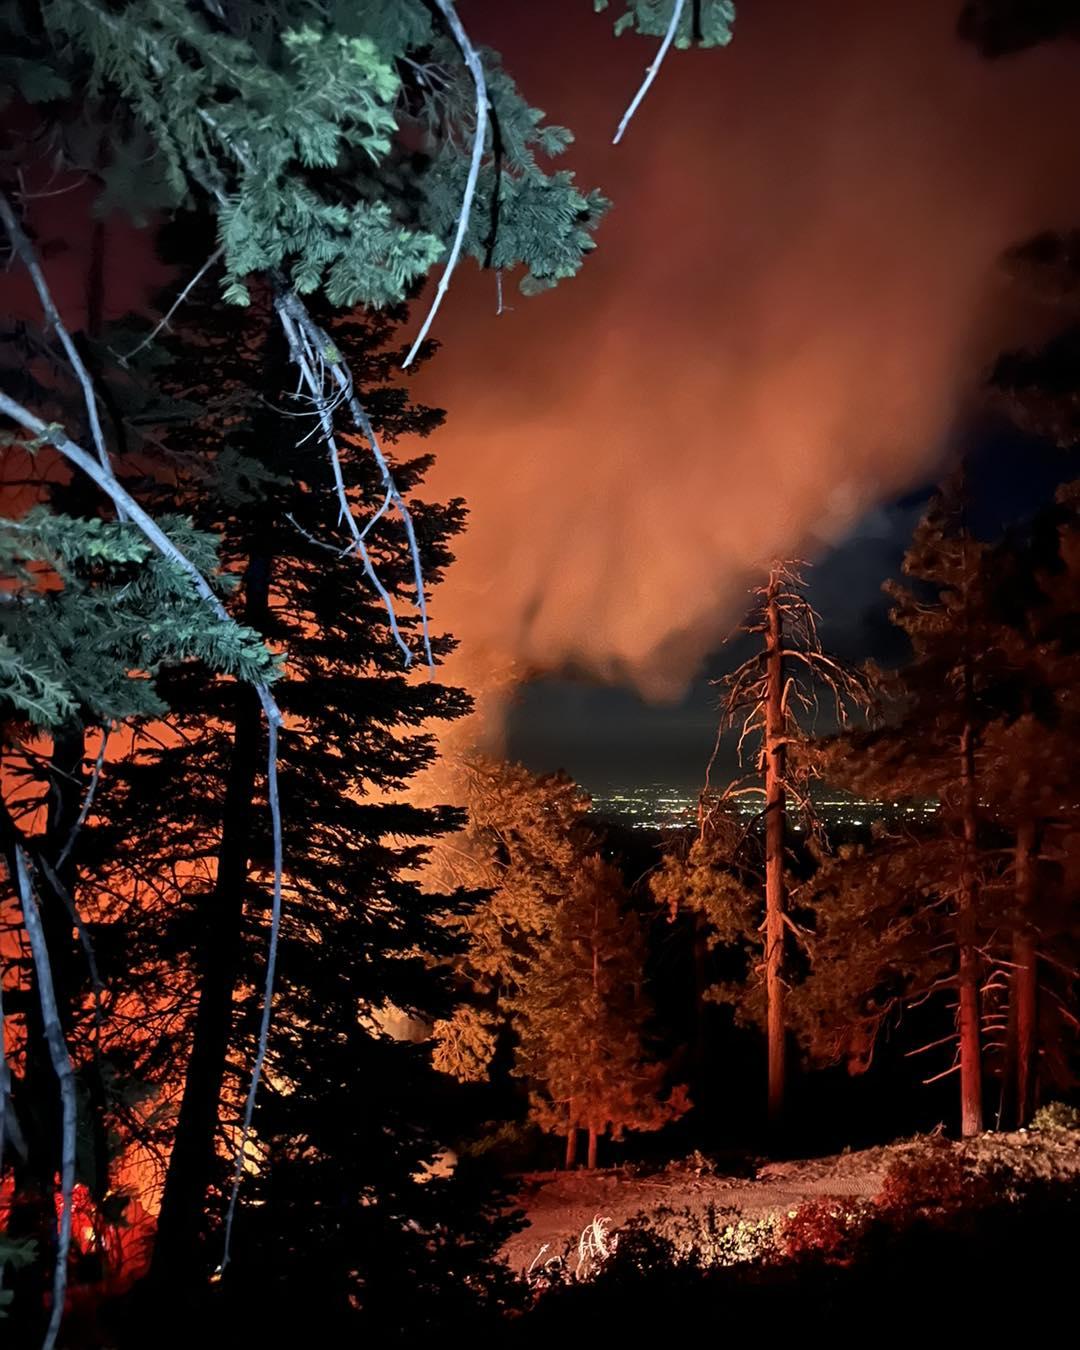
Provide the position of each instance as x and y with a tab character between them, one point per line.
583	1021
526	838
932	747
358	934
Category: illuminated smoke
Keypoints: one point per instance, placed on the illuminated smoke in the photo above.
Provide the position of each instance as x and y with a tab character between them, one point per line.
790	304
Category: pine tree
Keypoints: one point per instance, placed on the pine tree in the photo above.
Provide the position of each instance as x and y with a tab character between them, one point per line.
340	154
358	935
935	713
526	838
1032	787
583	1021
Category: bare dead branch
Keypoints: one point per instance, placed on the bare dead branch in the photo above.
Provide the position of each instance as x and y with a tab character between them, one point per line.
87	801
651	71
25	251
164	321
268	989
476	70
61	1063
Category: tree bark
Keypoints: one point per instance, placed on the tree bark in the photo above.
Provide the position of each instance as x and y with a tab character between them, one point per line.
1025	974
971	1106
592	1148
775	807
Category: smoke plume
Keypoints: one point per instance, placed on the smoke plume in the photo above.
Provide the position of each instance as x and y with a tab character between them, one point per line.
790	306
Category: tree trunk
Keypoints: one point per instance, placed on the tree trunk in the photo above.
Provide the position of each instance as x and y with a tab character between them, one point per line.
571	1140
218	957
191	1163
701	985
971	1117
1025	974
775	804
591	1163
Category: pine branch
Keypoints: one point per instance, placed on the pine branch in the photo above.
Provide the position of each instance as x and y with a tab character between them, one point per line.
123	501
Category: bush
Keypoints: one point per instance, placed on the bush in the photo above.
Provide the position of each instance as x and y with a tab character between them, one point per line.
829	1230
933	1181
1056	1116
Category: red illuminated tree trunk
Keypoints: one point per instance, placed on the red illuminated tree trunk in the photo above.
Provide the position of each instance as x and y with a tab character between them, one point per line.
592	1148
1025	973
787	672
775	804
571	1140
971	1119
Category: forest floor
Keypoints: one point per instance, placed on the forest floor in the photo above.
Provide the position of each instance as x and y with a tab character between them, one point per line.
560	1206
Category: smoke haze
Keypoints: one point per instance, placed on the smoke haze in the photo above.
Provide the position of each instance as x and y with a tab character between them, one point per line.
789	308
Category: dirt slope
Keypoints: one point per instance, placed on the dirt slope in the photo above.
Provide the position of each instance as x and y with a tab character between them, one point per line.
560	1205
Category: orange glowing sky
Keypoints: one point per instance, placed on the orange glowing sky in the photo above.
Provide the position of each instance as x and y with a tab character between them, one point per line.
784	322
787	313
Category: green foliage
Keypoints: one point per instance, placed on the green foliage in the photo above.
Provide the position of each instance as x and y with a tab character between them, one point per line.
707	24
293	134
525	840
92	613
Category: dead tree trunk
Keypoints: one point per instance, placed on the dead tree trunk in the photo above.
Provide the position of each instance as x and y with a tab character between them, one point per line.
775	805
971	1117
1024	974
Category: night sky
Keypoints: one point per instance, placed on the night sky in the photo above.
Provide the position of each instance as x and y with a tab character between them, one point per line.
776	348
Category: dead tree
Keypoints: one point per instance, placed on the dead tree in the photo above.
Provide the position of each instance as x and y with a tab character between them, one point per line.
784	681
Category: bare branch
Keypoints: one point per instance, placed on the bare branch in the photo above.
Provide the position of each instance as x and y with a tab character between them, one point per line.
25	250
61	1063
651	71
268	988
476	70
342	377
164	321
84	810
300	349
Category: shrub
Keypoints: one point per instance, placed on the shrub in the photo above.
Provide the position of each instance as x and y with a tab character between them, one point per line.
826	1229
1056	1116
933	1181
